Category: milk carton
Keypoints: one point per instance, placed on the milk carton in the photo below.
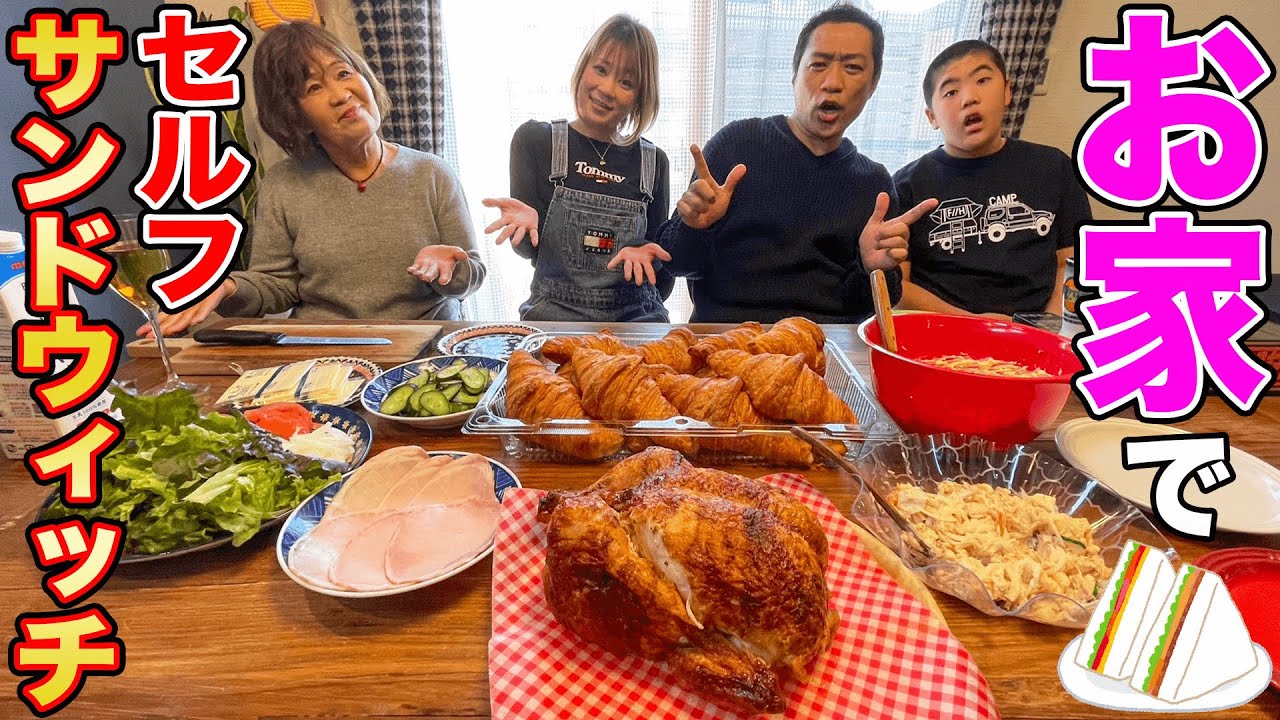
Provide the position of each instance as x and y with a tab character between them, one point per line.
22	425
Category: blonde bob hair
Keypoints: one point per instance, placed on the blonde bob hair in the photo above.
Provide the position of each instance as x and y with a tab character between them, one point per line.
282	62
630	36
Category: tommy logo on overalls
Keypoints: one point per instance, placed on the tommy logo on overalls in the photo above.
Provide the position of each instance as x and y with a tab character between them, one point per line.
598	241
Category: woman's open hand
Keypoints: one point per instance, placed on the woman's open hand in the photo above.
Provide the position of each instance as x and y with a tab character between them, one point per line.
435	263
194	315
517	220
637	262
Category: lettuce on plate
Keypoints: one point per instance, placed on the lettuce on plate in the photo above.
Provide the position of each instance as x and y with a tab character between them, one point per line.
180	478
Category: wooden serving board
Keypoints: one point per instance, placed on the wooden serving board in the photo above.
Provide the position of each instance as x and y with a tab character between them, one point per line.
408	340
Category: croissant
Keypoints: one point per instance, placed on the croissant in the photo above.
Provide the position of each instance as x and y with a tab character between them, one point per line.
673	350
656	370
783	387
736	338
534	394
793	336
560	349
722	401
566	371
618	387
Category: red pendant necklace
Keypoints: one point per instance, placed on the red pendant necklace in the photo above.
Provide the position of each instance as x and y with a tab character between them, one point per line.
361	185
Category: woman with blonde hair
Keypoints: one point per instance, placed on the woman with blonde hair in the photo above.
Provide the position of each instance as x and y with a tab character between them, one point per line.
588	194
351	225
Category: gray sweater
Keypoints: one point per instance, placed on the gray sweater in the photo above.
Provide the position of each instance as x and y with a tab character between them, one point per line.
329	251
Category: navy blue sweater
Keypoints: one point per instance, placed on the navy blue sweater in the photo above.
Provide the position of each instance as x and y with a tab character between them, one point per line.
789	242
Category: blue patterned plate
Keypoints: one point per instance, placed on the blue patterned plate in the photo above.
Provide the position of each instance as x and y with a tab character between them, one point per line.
309	513
493	340
377	390
349	422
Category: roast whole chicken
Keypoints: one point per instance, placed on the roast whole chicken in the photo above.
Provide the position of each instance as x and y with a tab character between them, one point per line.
718	576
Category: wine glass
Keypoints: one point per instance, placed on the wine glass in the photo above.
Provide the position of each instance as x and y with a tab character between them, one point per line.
135	265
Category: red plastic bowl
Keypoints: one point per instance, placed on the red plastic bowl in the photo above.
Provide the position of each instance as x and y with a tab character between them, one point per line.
927	399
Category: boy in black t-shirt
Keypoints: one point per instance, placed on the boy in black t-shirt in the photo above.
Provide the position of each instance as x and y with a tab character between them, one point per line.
1000	238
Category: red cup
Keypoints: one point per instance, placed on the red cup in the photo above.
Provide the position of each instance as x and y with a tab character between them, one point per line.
925	398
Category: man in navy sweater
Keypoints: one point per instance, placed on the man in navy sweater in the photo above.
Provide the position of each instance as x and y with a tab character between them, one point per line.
801	232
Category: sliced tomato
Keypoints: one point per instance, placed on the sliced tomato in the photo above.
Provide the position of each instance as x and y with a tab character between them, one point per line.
283	419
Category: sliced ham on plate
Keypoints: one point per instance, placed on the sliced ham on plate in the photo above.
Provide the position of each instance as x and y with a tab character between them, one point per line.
412	482
470	476
438	538
369	485
403	518
360	565
316	551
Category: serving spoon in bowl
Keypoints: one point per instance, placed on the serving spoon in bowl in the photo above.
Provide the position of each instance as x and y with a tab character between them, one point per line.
848	467
884	310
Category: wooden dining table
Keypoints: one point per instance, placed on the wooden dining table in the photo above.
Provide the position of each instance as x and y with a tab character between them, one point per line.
226	634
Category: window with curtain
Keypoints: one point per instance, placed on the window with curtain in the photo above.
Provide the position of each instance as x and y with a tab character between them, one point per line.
721	60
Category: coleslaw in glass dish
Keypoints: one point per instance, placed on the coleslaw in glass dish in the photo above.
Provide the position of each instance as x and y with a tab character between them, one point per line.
1032	543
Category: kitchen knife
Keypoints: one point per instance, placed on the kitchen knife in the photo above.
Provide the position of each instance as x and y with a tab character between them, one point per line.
251	337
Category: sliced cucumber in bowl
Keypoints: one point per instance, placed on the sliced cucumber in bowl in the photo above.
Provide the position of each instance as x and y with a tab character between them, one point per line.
397	400
440	391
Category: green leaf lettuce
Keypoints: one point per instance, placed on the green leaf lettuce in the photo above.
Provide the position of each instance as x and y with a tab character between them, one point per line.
181	479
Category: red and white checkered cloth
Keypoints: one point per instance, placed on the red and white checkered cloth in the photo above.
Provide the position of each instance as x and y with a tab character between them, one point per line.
891	659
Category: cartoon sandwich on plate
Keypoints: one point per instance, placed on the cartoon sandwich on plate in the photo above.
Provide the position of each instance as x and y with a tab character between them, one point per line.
1126	612
1160	640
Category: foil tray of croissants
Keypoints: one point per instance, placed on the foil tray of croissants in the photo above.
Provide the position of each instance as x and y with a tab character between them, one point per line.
747	385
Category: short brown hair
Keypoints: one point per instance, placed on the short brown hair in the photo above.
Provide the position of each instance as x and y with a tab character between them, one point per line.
630	35
841	13
281	63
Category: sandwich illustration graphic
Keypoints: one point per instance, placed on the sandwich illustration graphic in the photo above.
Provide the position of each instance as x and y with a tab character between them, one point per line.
1199	641
1127	610
1164	640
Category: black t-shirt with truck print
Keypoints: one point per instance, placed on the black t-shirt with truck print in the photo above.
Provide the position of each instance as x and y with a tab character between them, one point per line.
991	245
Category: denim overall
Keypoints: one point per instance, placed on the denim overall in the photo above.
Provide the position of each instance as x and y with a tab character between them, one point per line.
582	233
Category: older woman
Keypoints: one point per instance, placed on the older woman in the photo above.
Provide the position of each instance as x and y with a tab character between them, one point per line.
350	226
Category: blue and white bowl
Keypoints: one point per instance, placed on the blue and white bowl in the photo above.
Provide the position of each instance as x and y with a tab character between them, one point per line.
349	422
307	515
496	340
376	391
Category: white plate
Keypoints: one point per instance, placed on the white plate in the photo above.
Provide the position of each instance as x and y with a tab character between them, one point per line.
309	513
1101	691
1249	504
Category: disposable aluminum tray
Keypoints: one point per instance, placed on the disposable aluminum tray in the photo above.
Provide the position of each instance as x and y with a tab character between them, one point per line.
490	417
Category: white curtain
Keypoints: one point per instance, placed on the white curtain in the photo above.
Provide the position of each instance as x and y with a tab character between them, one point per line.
721	60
